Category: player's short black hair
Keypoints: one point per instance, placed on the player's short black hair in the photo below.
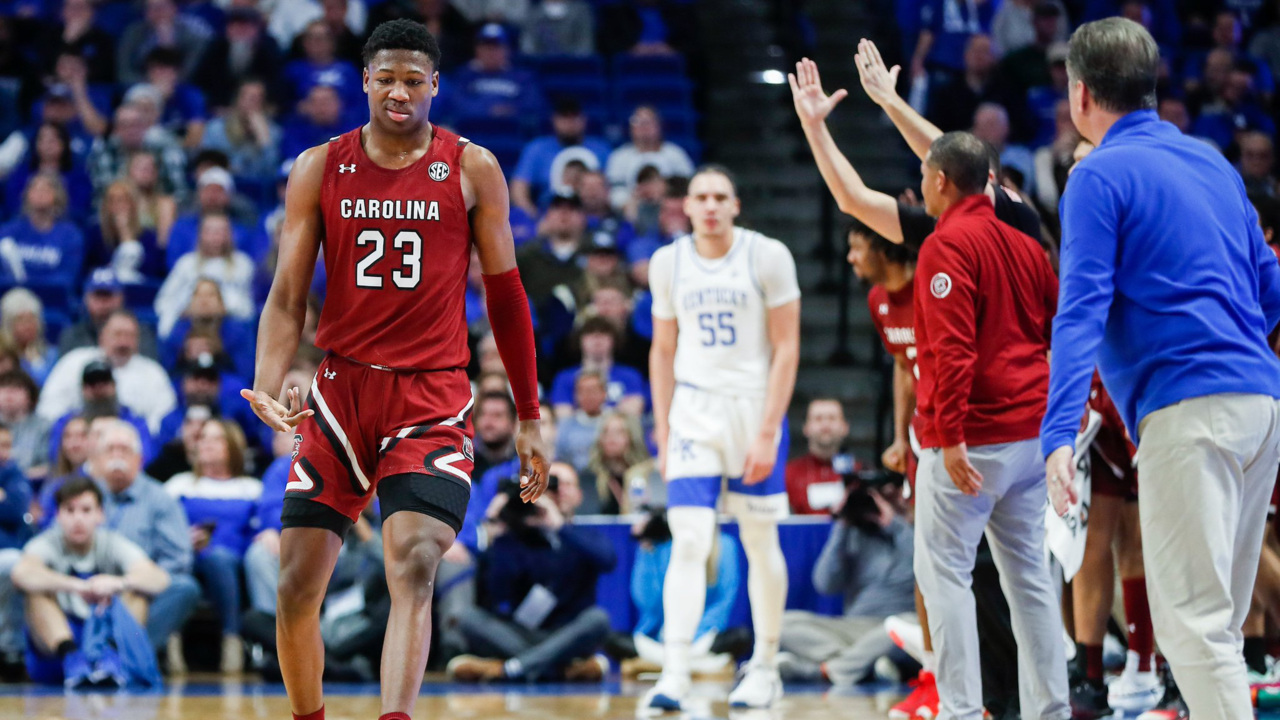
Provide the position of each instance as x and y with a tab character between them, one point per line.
717	169
74	487
896	253
964	159
402	34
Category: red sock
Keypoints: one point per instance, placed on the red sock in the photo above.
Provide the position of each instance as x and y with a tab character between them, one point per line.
317	715
1093	669
395	716
1138	613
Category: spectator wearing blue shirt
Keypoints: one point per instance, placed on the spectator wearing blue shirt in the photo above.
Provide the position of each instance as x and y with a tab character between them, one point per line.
221	505
202	382
1169	288
320	65
536	177
247	134
22	322
183	112
244	51
946	26
319	117
42	244
100	400
118	243
51	154
489	85
207	313
215	195
1232	110
625	387
578	431
15	498
161	26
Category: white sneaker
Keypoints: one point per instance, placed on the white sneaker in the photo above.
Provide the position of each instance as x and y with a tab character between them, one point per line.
667	694
907	635
1135	691
760	688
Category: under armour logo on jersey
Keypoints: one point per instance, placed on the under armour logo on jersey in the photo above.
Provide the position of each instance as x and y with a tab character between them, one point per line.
346	168
940	285
438	171
330	374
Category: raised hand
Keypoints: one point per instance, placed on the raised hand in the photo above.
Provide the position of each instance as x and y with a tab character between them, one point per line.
813	105
275	415
879	81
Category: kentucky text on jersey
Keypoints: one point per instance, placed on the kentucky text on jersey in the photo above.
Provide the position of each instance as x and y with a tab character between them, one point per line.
361	209
901	335
715	296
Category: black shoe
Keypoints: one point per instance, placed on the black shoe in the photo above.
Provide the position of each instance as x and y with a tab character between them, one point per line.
1089	701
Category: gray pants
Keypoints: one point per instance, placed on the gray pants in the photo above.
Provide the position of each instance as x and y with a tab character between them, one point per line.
261	578
12	615
542	654
849	646
1208	467
949	526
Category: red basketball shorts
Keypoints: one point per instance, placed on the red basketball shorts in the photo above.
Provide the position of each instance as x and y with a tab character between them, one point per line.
405	435
1111	465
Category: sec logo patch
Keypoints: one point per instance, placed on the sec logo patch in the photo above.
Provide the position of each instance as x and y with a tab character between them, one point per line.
438	171
940	285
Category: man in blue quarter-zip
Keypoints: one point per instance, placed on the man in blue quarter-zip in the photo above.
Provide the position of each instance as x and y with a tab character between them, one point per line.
1169	287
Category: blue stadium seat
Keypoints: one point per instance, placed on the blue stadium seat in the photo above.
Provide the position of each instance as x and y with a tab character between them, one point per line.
566	66
54	295
139	296
488	126
663	93
625	66
589	91
676	122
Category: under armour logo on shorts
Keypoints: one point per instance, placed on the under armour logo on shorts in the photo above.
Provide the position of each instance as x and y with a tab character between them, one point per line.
329	374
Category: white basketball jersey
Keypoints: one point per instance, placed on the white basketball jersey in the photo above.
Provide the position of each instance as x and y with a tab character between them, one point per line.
721	306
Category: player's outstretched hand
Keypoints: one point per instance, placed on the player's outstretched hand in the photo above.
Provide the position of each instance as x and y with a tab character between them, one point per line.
1059	471
879	82
813	105
533	460
275	415
760	460
965	476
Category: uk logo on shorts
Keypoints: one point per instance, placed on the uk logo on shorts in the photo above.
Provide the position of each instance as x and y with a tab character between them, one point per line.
940	285
297	446
438	171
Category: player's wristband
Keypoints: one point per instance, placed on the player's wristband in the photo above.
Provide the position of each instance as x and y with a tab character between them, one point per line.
513	331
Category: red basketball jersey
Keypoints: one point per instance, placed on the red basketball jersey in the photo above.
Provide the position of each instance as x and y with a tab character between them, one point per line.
893	315
396	248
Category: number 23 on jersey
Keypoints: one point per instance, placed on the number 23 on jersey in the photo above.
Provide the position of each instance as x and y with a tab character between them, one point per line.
406	276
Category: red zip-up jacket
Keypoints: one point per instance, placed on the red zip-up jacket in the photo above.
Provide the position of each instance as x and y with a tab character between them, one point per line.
984	303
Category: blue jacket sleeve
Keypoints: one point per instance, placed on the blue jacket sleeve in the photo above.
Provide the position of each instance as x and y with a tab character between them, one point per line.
722	596
647	575
17	495
1090	212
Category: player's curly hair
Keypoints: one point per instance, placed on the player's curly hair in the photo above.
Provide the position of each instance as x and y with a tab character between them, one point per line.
896	253
402	35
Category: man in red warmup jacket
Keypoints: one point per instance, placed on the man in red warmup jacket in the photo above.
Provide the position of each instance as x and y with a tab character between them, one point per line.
984	303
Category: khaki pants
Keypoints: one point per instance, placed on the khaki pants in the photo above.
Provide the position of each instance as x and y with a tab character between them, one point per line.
849	646
1207	465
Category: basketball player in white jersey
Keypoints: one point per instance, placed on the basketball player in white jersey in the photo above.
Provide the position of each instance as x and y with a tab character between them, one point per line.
726	344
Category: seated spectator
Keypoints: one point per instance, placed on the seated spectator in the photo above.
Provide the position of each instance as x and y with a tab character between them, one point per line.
289	18
247	134
206	312
867	559
158	207
68	569
15	500
489	85
320	65
1041	107
30	451
1226	34
337	15
73	453
597	339
506	12
1014	24
221	503
118	241
51	155
537	171
559	27
183	111
552	260
69	84
103	295
602	267
144	385
42	243
132	134
100	400
612	301
204	382
262	559
536	618
1054	161
647	27
646	149
644	206
216	258
608	225
245	51
618	447
161	26
216	195
139	509
22	324
79	33
649	574
991	125
813	479
443	19
1234	110
179	454
578	431
1257	159
319	117
1028	66
495	423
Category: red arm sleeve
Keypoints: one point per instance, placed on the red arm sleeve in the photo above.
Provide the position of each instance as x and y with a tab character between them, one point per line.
513	331
950	309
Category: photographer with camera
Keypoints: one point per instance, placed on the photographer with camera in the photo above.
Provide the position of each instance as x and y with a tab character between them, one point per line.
536	618
868	559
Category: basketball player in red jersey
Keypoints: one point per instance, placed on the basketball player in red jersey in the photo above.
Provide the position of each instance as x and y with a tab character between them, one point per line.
397	205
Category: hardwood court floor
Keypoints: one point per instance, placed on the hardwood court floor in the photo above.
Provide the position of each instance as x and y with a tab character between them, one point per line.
250	700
